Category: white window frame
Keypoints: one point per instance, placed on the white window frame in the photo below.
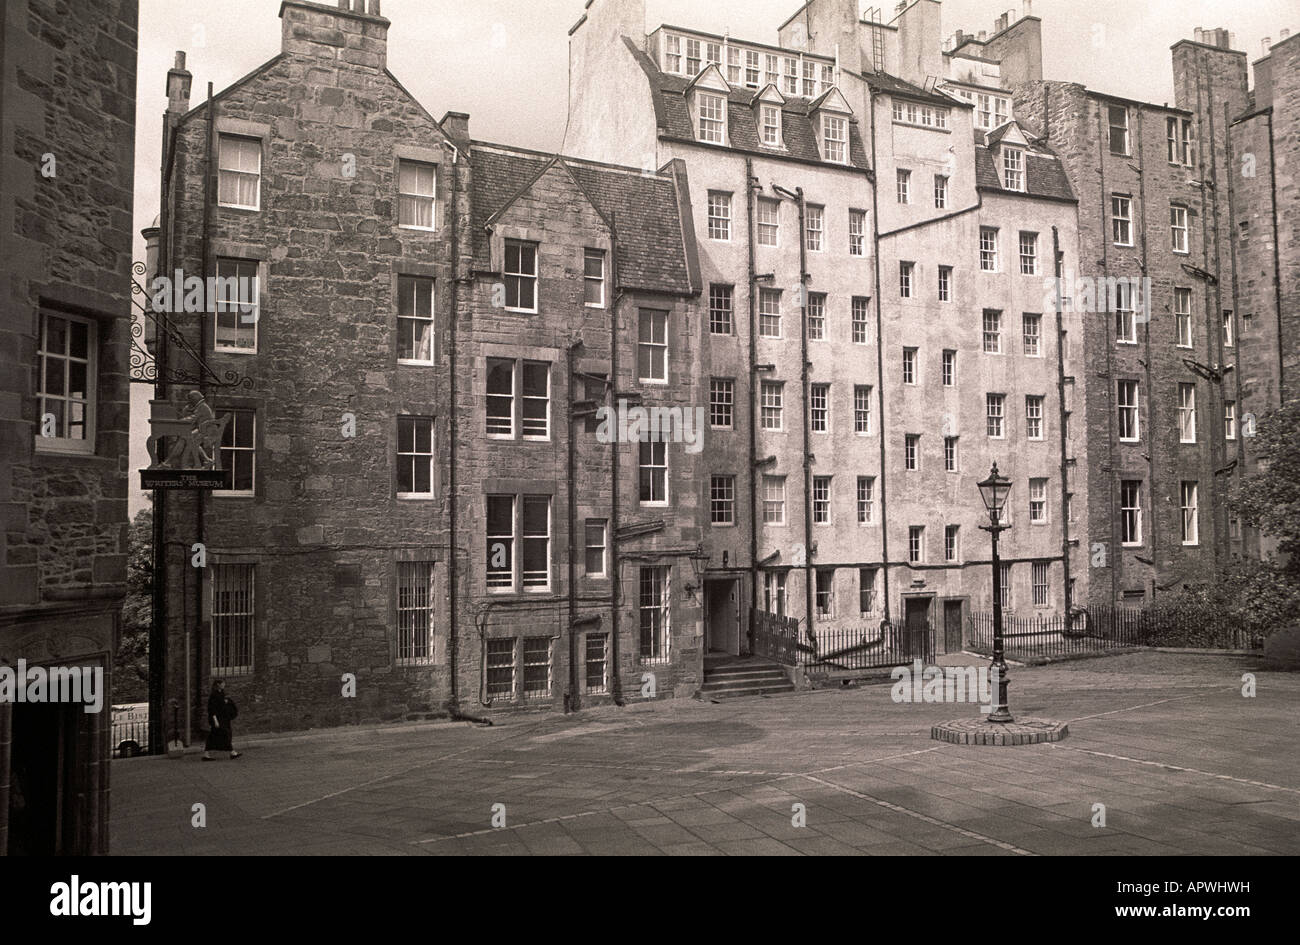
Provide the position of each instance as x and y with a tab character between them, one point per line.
769	221
415	453
819	408
995	416
1183	326
61	442
906	275
992	331
769	310
521	277
1130	498
948	367
1189	490
602	525
862	409
711	118
1038	513
940	191
722	499
857	232
1013	169
945	284
773	500
835	139
1186	413
860	319
722	403
719	216
1125	409
1034	416
231	451
722	299
1033	340
417	199
1028	253
821	500
590	255
518	422
1178	232
916	544
866	500
223	171
815	226
1229	419
951	543
903	178
658	607
951	454
1121	219
772	405
416	320
912	452
656	344
652	469
988	249
770	125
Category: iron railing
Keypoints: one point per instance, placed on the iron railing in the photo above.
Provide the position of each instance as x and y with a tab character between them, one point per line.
833	648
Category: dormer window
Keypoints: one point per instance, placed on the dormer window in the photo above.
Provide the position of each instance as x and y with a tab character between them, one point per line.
712	121
835	139
1013	169
770	122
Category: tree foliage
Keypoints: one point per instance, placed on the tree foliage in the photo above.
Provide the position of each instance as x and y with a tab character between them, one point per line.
131	666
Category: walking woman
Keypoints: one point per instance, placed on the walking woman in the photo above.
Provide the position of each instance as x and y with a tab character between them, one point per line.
221	712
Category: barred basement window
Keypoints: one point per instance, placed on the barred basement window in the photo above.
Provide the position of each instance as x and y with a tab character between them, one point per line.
819	396
66	373
415	337
237	306
233	609
860	312
239	172
866	500
416	198
1040	587
720	310
862	409
537	667
239	451
817	316
821	500
866	589
414	612
501	668
722	397
414	457
595	530
654	610
722	500
596	664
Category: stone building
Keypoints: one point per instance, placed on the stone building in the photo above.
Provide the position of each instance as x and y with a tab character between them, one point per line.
1176	377
67	136
844	493
409	512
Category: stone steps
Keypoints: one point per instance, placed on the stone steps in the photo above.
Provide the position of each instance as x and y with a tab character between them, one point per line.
749	678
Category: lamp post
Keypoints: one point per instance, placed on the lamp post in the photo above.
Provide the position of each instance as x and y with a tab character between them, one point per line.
994	491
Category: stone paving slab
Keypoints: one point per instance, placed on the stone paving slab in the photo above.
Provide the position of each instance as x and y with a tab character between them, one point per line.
1182	762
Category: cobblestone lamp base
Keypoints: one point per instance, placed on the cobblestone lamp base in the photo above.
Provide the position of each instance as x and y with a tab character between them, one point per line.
983	732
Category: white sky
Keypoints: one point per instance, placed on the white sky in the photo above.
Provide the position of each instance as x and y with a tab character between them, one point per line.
505	61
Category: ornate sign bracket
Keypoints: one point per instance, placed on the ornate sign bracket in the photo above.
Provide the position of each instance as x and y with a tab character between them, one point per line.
144	366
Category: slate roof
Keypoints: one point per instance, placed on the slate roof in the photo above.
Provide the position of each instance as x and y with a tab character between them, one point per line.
652	251
798	128
1044	176
892	85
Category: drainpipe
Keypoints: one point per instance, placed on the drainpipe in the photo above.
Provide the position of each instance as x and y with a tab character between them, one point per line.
572	700
1115	556
1214	346
1240	407
750	195
798	197
453	570
616	574
1060	399
200	497
1277	263
880	352
1146	350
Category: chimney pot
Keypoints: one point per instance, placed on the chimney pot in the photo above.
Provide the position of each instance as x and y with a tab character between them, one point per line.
345	4
1029	8
1283	35
374	8
983	35
180	59
1268	41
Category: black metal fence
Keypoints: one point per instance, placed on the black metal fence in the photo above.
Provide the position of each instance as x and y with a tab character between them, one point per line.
1098	629
774	636
872	646
130	738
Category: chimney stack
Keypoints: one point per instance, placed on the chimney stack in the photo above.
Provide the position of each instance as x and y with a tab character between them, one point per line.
983	35
351	31
456	125
1268	41
178	86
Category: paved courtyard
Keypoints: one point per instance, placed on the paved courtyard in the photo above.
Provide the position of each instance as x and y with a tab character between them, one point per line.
1181	760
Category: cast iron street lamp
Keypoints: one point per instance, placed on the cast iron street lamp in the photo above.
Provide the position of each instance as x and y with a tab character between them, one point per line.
994	491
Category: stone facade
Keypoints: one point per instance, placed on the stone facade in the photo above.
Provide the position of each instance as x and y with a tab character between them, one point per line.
345	577
67	123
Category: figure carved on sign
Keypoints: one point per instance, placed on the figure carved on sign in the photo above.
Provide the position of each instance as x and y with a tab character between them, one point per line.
194	435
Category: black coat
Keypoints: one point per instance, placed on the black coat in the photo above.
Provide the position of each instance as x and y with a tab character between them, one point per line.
222	709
